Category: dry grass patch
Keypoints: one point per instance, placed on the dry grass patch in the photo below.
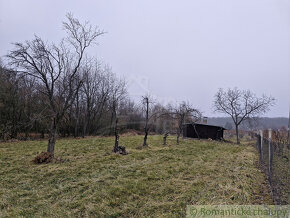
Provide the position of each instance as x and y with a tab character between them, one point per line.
156	181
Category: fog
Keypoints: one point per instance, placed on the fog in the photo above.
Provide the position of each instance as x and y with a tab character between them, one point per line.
176	50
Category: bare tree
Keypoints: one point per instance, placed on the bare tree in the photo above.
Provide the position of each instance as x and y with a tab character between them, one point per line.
77	107
56	68
184	111
146	127
147	101
117	94
241	105
94	99
152	113
101	89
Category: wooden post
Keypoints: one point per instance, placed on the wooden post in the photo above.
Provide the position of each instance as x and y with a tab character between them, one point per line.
288	132
261	134
270	155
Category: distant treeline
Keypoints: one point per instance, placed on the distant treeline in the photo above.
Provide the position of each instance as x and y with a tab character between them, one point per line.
252	124
25	114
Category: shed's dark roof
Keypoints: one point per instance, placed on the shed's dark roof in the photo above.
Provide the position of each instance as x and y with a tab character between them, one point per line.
201	124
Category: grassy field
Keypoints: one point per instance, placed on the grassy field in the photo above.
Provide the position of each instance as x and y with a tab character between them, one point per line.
280	177
158	181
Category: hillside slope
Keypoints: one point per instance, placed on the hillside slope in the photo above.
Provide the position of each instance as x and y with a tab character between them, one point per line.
156	181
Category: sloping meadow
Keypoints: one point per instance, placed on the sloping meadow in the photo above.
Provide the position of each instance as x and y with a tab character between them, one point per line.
87	179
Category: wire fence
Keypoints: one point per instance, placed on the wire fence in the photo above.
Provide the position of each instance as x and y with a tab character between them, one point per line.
274	155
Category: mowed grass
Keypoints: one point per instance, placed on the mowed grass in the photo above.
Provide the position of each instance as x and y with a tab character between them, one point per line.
158	181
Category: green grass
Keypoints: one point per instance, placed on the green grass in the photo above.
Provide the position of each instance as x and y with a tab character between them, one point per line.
158	181
281	176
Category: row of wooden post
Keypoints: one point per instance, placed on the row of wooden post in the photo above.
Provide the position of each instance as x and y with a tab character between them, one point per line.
270	152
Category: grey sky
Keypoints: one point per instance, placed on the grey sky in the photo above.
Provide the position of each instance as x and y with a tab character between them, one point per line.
177	50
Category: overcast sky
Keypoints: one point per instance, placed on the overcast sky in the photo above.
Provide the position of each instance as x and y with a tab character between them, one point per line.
176	50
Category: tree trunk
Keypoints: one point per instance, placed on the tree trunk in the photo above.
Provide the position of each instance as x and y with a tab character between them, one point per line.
116	136
116	141
146	122
26	134
51	142
86	124
145	138
164	138
84	129
87	118
117	148
196	131
76	133
179	131
52	138
111	124
237	134
42	134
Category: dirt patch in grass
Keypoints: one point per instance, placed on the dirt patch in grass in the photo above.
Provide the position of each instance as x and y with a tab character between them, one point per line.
46	157
43	157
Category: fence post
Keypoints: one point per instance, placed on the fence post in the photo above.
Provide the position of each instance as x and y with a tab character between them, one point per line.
261	134
270	155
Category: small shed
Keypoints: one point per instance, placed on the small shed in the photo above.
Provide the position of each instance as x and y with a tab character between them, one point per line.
203	131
